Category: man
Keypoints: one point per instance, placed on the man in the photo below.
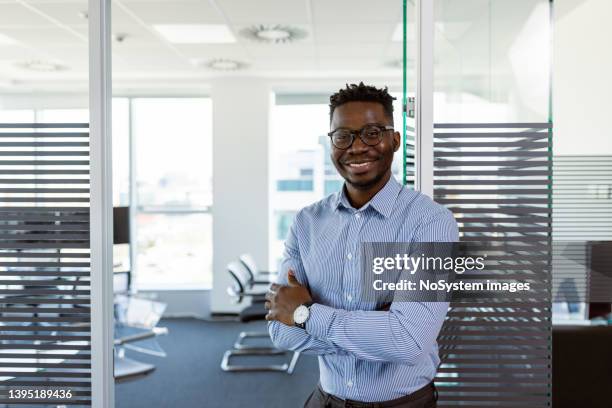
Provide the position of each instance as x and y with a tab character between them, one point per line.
367	358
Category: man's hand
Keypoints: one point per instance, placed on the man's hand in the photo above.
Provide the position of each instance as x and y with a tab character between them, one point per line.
281	301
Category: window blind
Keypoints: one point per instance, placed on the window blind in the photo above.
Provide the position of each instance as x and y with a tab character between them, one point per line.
582	218
44	264
496	179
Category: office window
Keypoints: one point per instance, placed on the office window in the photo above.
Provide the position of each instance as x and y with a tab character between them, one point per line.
17	116
306	172
172	143
174	249
333	185
283	223
294	185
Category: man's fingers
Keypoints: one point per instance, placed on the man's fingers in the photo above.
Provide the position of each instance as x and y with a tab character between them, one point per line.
274	287
271	316
269	295
268	305
292	279
384	307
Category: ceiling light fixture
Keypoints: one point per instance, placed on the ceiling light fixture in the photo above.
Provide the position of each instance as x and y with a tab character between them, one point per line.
223	64
42	66
273	33
196	33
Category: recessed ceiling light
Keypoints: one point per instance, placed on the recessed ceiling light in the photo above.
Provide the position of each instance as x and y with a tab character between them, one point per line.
6	40
273	33
222	64
195	33
42	66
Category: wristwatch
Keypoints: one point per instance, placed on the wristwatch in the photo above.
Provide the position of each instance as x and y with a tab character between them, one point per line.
301	315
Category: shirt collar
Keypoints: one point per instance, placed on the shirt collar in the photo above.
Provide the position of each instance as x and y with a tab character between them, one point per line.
382	202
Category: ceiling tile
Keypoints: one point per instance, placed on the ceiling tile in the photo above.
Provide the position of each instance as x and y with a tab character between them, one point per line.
212	51
361	11
12	15
135	34
144	63
43	37
281	51
176	12
70	12
352	50
64	12
353	33
263	63
265	11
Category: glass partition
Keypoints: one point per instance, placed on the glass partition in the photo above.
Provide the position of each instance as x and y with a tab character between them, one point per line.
45	247
492	167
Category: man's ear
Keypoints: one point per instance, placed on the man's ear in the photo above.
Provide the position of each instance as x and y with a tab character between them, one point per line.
396	141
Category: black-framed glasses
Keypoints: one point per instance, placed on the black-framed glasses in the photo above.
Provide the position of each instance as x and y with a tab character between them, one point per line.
370	134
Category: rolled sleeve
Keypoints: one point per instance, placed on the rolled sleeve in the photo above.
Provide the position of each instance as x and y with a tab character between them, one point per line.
293	338
320	320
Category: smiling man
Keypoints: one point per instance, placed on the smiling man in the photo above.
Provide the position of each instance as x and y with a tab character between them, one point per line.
369	356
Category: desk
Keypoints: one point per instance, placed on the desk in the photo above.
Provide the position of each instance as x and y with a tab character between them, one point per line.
582	366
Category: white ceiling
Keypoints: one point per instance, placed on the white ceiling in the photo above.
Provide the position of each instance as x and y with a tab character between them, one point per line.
346	38
343	35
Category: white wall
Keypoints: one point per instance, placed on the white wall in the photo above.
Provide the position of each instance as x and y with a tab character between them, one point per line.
582	77
44	101
240	178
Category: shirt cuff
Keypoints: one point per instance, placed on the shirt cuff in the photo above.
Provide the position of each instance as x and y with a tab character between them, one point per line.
320	320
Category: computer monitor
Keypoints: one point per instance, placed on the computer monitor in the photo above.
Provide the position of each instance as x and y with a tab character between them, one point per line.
121	225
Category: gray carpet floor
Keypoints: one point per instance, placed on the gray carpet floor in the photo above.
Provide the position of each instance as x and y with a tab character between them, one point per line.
190	375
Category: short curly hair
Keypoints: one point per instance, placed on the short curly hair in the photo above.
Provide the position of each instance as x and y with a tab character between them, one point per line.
362	93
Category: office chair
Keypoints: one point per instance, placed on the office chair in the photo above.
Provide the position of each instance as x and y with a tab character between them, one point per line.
256	275
121	235
241	288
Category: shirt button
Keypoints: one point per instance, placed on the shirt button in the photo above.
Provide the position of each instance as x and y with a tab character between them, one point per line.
349	256
357	215
349	383
349	297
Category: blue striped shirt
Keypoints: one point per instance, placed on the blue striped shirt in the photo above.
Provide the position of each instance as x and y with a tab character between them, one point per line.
364	354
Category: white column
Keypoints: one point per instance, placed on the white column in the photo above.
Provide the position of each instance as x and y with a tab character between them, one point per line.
424	97
101	221
241	108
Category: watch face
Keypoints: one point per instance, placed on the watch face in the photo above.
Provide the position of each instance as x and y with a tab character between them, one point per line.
300	315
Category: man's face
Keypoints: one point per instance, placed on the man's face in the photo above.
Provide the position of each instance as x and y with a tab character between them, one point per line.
363	166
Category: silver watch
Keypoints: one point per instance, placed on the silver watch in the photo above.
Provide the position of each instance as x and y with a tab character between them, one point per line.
301	315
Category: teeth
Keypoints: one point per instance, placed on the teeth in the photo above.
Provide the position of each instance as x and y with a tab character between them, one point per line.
358	164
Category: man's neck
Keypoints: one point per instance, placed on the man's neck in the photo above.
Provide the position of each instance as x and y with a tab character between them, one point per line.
358	197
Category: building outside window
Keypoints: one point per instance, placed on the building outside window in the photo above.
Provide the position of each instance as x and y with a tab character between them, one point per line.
172	141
